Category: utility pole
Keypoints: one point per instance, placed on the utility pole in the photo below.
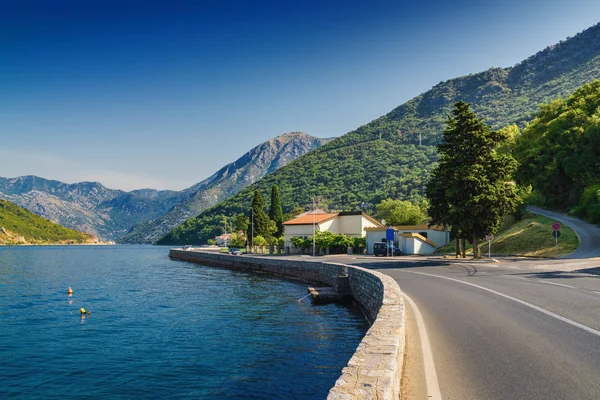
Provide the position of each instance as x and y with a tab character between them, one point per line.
314	227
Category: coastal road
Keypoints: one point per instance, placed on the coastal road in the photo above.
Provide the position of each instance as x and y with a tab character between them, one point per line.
589	235
509	330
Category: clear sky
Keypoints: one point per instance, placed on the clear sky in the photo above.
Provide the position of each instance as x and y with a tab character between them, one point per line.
140	94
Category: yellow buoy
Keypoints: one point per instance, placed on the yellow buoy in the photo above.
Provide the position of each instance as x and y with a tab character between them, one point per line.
69	290
82	310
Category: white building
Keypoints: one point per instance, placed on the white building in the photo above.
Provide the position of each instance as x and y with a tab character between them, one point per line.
411	239
352	223
223	240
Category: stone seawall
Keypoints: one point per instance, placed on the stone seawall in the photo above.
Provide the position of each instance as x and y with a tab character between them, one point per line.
375	369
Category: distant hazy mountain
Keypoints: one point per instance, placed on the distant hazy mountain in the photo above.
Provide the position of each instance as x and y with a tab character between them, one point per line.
109	214
258	162
87	206
20	226
392	156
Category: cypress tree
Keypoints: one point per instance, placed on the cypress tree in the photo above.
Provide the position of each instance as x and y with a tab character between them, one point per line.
261	219
471	188
276	212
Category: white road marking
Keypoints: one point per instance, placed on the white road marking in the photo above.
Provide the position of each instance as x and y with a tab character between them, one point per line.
540	309
557	284
433	387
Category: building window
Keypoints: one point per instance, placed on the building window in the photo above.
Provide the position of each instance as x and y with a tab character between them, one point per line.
424	234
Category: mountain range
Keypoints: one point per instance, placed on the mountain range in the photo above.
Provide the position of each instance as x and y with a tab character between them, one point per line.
20	226
142	216
392	156
258	162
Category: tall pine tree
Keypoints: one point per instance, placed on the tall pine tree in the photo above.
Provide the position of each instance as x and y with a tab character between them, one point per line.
276	212
471	188
259	220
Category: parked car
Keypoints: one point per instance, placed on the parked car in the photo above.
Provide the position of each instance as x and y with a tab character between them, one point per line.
187	247
235	251
381	249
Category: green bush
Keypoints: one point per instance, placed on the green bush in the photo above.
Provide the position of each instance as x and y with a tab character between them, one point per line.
589	204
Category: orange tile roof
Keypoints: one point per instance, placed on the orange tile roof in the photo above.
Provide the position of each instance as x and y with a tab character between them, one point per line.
308	219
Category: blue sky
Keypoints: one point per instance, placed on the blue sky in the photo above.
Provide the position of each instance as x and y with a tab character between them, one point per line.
163	94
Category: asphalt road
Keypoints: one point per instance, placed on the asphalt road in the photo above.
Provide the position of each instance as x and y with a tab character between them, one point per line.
508	330
589	235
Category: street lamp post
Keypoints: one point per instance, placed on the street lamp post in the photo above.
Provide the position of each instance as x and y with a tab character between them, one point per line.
314	228
225	234
252	234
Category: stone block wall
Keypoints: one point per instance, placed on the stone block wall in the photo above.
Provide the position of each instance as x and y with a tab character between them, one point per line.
375	369
309	271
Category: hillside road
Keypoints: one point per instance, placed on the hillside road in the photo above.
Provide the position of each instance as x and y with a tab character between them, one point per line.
589	235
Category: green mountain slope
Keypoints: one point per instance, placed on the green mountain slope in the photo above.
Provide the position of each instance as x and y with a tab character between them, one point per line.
19	226
360	167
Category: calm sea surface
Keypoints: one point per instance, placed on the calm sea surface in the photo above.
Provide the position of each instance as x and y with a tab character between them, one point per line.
161	329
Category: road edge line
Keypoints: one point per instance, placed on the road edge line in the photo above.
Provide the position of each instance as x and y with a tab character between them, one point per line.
431	380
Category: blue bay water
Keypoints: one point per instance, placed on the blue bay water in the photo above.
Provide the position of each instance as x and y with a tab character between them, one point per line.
161	329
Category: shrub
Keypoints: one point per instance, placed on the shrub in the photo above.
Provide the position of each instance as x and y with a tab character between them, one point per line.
589	204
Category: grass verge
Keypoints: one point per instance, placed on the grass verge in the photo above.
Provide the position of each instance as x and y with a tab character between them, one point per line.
530	237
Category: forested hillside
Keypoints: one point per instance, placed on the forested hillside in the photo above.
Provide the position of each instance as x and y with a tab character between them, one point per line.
359	167
559	153
19	226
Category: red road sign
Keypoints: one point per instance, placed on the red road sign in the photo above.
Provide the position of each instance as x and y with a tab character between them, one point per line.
489	237
556	226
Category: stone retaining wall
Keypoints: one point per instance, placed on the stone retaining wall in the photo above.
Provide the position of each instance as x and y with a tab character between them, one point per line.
314	272
375	369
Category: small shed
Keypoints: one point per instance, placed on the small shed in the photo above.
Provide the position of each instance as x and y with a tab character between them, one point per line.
414	243
411	239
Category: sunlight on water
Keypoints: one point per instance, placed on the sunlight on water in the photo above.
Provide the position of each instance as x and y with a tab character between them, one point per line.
161	328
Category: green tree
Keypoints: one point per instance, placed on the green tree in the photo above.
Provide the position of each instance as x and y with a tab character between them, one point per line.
275	211
471	188
259	219
259	240
236	240
293	213
324	240
342	241
241	222
301	243
559	151
399	212
359	243
211	242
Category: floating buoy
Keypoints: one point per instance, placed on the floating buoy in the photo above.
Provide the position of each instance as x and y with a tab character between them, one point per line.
69	290
82	310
